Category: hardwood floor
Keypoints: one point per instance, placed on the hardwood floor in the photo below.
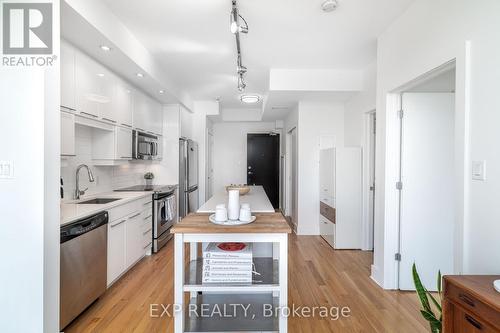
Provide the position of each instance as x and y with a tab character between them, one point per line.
318	276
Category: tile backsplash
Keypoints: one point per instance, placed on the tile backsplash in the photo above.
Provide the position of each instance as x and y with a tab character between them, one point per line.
107	178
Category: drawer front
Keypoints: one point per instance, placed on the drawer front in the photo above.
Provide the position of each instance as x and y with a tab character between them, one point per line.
472	305
327	211
118	212
465	322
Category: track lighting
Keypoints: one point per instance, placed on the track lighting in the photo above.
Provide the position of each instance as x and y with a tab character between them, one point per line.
236	28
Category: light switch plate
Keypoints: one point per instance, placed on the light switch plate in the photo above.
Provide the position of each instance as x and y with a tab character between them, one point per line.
6	169
479	170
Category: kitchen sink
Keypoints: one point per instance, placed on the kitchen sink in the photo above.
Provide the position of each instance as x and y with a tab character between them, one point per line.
98	201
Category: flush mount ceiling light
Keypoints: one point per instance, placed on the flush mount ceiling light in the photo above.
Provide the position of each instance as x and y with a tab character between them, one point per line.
105	48
100	74
329	5
161	92
237	28
140	75
250	99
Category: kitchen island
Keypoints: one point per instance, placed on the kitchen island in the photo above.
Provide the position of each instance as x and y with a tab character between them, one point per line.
269	290
257	198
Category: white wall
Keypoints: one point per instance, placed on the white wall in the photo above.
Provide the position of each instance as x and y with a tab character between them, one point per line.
29	202
428	34
357	107
315	120
230	151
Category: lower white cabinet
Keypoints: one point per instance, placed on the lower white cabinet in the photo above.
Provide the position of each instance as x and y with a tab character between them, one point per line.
116	249
127	236
67	134
134	250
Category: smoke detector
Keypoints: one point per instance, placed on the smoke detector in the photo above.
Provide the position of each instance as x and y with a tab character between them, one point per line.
329	5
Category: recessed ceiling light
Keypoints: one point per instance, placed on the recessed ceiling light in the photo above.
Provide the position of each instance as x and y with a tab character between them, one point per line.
105	48
329	5
139	75
100	74
250	99
162	92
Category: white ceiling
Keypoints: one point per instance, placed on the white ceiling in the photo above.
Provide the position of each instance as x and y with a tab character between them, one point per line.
191	39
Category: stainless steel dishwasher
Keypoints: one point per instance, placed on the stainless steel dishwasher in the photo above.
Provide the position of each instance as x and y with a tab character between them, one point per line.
83	265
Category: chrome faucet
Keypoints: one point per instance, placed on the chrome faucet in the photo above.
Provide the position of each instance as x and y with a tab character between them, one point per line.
79	192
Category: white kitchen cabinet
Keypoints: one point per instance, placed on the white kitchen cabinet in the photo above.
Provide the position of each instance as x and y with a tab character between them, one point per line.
148	115
116	249
93	87
140	111
123	143
68	54
156	118
111	147
67	134
123	103
134	240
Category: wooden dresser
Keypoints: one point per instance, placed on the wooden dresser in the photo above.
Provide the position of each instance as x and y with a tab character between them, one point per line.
471	304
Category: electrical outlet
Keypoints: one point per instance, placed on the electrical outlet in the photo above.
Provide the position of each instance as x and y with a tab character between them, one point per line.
6	169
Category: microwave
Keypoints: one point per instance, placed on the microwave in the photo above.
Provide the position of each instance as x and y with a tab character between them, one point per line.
144	146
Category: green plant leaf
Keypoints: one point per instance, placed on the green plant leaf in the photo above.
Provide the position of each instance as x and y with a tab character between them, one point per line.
434	323
421	292
440	285
438	306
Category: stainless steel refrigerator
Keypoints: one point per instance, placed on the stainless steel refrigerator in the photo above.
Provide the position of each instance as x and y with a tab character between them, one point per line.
188	177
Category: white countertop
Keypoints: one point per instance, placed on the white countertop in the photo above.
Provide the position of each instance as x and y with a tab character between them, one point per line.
72	211
257	198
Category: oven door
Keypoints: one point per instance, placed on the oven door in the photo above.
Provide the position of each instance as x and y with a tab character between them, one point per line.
164	215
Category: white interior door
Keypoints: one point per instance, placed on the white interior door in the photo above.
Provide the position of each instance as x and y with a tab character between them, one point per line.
371	180
427	198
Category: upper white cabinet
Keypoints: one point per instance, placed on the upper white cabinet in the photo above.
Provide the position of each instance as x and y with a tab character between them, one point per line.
148	116
123	103
123	141
67	134
93	88
68	76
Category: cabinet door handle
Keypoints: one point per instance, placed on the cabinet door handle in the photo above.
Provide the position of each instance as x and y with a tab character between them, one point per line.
148	217
89	114
134	216
126	125
114	225
466	300
473	322
126	157
147	232
107	119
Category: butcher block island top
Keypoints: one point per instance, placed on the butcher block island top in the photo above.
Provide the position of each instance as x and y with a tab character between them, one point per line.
266	223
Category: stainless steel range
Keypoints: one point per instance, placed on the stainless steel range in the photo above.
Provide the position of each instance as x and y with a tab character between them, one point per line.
164	211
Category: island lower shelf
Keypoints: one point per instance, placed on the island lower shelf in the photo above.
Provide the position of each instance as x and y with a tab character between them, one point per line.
221	315
268	280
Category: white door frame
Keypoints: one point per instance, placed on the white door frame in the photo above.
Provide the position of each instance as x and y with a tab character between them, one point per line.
392	167
288	173
368	225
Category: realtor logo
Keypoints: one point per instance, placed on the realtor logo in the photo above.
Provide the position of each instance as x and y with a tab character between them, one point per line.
27	28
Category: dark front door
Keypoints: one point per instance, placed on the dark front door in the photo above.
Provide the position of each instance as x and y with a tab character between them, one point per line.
263	164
